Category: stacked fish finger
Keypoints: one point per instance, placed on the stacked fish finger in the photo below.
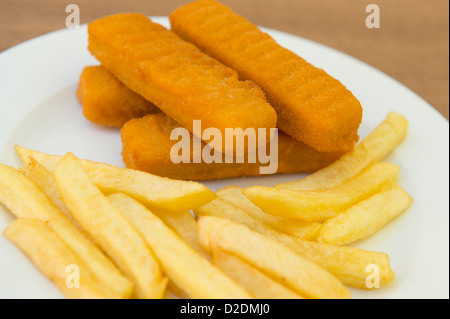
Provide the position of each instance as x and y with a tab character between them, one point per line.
312	106
153	80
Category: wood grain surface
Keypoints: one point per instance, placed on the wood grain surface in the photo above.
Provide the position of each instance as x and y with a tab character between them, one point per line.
412	44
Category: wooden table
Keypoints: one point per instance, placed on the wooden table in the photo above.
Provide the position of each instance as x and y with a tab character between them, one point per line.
411	45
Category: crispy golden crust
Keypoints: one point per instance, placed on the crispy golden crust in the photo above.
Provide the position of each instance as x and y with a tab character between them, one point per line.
312	106
183	82
106	101
146	146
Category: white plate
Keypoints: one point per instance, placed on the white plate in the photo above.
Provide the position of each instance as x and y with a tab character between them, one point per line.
39	110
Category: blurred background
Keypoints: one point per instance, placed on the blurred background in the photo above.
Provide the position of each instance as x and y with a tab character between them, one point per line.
411	45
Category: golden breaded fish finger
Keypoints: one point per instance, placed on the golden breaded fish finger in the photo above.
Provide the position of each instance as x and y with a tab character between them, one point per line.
106	101
176	76
147	145
312	106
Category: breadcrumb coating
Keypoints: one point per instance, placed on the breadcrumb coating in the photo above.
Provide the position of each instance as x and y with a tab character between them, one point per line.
108	102
176	76
146	147
312	106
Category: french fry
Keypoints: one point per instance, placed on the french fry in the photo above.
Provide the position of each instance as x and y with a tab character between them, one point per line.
311	105
365	218
108	228
271	257
346	263
45	180
223	209
14	188
183	223
185	267
48	252
25	200
291	226
254	281
323	204
154	191
376	146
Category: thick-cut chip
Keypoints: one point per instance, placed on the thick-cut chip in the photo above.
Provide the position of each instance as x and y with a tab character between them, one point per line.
48	252
184	224
21	197
376	146
25	200
192	273
154	191
224	209
312	106
108	228
147	146
176	76
291	226
45	180
271	257
323	204
107	101
255	282
346	263
365	218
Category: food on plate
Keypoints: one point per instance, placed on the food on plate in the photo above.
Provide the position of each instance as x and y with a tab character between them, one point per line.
254	281
270	257
182	223
154	191
346	263
222	207
48	252
377	145
109	228
312	106
176	76
25	200
106	101
192	273
291	226
132	234
323	204
365	218
242	238
147	147
44	179
21	197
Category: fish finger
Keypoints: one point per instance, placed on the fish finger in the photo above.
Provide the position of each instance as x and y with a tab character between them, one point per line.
312	106
108	102
176	76
147	146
